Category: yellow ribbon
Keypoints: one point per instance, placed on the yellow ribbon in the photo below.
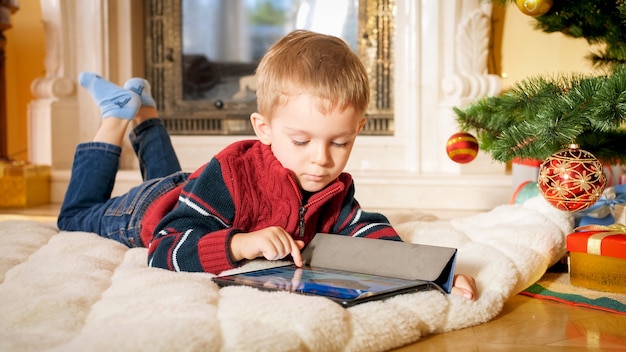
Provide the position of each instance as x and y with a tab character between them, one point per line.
594	241
619	228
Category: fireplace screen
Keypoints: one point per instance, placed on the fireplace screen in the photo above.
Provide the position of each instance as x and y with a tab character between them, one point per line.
201	56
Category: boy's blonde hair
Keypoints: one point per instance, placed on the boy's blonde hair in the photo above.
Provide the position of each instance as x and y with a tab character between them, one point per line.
312	63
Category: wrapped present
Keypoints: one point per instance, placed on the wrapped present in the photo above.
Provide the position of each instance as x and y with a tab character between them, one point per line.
619	212
613	173
598	257
24	185
524	192
524	170
602	212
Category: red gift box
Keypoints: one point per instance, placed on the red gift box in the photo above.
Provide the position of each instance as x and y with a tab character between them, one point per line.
598	257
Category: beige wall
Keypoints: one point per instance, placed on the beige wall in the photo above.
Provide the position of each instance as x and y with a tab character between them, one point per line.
25	54
527	51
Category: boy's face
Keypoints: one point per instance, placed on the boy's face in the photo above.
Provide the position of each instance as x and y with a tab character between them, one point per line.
313	145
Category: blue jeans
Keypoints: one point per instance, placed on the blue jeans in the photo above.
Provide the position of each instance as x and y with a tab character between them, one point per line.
88	205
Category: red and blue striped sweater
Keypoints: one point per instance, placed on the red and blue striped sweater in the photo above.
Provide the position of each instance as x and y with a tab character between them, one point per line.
244	188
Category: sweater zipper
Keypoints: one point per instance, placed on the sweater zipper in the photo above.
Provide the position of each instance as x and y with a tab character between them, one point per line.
303	209
304	206
301	222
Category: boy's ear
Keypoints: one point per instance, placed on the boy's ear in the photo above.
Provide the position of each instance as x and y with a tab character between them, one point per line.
261	127
361	125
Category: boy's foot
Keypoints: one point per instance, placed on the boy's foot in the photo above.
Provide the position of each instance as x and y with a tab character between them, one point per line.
112	99
142	88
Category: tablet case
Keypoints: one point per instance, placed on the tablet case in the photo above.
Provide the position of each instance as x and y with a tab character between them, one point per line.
386	258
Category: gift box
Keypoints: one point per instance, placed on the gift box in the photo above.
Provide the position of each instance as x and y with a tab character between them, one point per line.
603	212
524	170
24	185
620	213
598	257
524	192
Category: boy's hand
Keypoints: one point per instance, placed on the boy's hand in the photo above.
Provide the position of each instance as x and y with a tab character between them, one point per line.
292	284
273	243
465	286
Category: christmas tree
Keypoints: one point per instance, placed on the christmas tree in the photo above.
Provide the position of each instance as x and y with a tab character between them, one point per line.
542	115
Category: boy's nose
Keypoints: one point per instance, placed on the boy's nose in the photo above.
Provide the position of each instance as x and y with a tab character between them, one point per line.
321	155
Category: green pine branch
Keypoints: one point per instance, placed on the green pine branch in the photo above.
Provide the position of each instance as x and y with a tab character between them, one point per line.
540	115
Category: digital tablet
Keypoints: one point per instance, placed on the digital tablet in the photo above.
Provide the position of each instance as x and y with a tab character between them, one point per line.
344	287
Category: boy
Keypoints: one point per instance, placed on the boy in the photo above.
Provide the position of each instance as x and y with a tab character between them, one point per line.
256	198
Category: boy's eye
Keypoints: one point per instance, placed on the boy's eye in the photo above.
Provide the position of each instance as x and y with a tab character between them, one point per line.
334	144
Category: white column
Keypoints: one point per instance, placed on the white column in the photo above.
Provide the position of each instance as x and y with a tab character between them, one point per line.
51	114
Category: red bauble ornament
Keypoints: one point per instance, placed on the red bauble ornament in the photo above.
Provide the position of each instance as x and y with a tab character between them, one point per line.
571	179
462	147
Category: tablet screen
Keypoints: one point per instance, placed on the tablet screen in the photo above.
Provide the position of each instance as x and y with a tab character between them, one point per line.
342	286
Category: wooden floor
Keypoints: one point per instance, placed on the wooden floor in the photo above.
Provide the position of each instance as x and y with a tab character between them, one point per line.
529	324
525	324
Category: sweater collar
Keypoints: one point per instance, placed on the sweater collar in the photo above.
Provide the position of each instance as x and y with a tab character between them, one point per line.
277	170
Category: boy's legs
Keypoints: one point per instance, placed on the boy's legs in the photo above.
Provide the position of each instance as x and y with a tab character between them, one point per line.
150	140
96	163
88	205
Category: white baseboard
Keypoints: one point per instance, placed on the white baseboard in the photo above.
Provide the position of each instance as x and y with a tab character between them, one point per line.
461	193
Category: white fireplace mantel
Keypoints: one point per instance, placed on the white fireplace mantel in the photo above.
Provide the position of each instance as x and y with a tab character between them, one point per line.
440	61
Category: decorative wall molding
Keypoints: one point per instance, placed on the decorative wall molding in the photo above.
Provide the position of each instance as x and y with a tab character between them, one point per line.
471	80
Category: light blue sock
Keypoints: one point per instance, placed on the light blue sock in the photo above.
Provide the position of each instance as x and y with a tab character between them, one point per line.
142	88
112	99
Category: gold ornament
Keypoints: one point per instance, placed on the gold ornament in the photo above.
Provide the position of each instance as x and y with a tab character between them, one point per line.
534	8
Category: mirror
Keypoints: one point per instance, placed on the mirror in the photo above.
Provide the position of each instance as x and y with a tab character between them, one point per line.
201	56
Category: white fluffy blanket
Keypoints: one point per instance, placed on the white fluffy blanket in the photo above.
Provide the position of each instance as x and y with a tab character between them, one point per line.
73	291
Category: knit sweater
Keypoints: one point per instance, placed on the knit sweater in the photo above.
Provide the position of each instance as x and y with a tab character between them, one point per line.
244	188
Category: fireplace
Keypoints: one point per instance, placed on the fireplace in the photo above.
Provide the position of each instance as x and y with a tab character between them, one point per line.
439	61
201	56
